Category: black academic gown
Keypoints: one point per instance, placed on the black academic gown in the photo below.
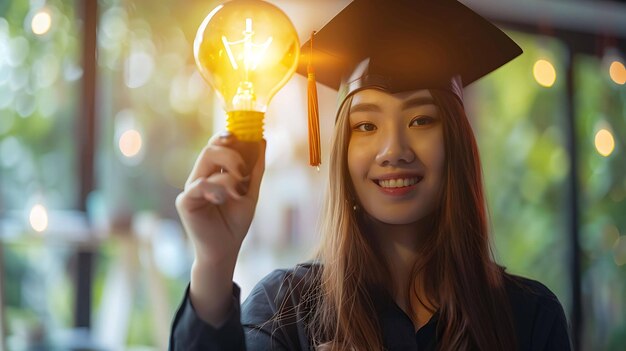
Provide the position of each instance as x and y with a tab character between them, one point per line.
540	323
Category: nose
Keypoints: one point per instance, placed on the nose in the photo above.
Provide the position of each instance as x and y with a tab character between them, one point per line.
394	151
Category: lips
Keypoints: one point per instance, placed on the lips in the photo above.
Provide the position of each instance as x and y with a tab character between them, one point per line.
398	185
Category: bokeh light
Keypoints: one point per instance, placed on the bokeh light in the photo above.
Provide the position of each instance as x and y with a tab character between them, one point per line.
38	218
130	143
41	22
544	73
605	144
617	71
138	69
619	251
16	52
610	235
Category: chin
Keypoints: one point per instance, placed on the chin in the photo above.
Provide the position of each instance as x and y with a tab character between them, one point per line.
398	217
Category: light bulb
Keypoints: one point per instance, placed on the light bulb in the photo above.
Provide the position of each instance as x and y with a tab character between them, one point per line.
246	50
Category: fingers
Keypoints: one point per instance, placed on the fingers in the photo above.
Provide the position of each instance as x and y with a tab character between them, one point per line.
220	171
257	172
216	189
217	157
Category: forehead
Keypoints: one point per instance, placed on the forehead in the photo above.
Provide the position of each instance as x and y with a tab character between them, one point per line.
377	96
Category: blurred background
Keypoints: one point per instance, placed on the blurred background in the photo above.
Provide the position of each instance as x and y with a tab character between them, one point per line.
102	113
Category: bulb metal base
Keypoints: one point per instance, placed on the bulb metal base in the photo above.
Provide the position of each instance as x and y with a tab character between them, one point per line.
246	125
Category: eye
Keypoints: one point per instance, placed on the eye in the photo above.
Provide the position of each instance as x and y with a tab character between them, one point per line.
422	121
365	127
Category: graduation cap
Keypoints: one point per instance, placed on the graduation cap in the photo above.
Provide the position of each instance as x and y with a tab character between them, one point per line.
400	45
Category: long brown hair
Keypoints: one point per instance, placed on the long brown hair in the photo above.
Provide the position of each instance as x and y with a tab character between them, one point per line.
455	267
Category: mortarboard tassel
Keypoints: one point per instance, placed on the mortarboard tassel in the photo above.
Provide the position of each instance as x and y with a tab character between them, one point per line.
313	112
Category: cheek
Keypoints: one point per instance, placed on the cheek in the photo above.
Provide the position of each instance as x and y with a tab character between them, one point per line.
430	150
357	161
354	173
432	155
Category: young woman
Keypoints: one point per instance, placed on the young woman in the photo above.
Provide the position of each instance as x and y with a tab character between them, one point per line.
405	261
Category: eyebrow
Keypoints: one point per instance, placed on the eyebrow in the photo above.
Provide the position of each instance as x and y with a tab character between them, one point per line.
413	102
364	107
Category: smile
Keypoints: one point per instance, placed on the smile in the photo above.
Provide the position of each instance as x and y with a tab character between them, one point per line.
398	183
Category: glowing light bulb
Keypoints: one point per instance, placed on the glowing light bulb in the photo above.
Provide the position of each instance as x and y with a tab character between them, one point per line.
246	50
617	71
41	22
605	144
38	218
130	143
544	73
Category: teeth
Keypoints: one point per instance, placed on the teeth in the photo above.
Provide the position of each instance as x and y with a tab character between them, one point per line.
398	183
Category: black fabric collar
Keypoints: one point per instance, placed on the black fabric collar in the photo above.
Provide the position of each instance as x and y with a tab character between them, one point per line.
397	327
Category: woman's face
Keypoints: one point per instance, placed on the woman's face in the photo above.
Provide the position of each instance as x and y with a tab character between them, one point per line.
396	154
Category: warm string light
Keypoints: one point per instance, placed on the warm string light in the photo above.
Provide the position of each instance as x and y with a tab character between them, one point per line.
41	22
38	218
544	73
130	143
129	138
604	142
617	72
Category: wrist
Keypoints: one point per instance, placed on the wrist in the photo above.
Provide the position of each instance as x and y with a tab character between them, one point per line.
211	290
212	262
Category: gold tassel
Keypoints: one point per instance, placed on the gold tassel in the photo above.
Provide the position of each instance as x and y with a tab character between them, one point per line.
314	118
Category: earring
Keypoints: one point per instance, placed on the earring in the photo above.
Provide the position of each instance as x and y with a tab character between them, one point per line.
355	206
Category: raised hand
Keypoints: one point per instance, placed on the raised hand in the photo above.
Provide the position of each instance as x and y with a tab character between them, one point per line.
216	209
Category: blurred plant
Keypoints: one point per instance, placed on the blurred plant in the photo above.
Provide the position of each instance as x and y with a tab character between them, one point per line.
600	103
518	123
39	76
39	81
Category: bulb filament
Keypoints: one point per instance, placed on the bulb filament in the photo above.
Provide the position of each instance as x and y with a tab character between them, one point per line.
251	54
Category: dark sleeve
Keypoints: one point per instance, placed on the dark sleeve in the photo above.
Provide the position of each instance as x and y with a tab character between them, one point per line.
272	315
189	332
549	327
540	322
253	326
558	337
